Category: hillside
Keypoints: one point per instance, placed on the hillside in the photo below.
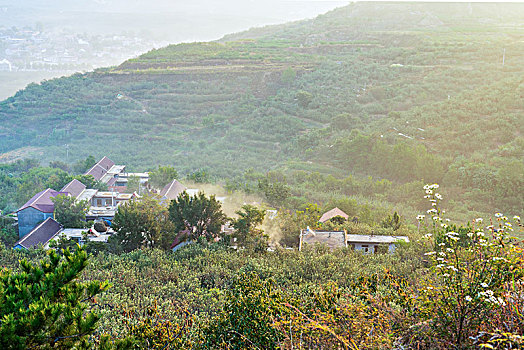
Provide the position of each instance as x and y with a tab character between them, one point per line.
401	91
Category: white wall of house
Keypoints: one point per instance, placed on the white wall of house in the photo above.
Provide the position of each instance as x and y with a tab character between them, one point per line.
370	248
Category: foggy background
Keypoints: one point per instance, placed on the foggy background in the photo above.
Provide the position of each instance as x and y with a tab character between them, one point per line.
43	39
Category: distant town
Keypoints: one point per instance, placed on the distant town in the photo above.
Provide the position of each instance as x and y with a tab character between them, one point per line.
35	49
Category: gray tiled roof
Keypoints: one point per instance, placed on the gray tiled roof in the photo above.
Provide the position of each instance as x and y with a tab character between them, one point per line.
172	190
42	201
41	234
74	188
100	168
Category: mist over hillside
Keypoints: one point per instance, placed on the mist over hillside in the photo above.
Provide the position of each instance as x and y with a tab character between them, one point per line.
404	92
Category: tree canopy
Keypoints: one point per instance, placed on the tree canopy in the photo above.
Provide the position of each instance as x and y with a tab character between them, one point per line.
197	216
142	223
69	212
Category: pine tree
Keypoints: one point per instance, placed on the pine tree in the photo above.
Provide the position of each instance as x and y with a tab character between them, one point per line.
45	306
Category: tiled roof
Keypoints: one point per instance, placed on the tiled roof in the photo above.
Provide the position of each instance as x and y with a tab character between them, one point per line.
333	239
97	172
42	201
375	239
106	163
333	213
41	234
74	188
172	190
101	168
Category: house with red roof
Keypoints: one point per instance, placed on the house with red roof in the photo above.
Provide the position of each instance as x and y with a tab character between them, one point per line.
36	210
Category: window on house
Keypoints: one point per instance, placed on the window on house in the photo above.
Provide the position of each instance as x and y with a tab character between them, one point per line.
99	202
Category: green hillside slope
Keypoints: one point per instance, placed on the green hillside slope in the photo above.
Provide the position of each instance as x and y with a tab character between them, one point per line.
401	91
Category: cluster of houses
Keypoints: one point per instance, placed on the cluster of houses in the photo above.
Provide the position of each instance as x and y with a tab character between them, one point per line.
38	227
36	222
368	244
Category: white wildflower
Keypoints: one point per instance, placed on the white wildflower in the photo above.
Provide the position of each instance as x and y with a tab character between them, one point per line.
468	298
498	215
479	220
516	217
430	253
484	285
450	250
438	196
432	211
421	217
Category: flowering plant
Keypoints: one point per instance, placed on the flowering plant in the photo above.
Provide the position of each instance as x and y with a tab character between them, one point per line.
471	268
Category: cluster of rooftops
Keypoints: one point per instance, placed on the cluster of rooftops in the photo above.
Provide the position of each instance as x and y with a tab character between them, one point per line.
36	222
37	225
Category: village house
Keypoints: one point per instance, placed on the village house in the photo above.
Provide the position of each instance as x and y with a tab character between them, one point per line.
36	210
103	204
39	235
368	244
50	230
172	190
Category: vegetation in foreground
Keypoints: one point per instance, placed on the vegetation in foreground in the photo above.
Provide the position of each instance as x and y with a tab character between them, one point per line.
455	287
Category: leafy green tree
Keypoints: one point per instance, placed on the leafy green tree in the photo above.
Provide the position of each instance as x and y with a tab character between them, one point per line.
392	221
38	179
69	212
276	192
90	182
142	223
133	184
291	222
59	165
84	165
199	176
304	98
44	306
8	234
245	225
161	176
197	216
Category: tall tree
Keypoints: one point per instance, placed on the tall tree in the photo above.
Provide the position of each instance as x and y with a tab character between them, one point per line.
133	184
69	212
143	223
84	165
161	176
197	216
249	217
